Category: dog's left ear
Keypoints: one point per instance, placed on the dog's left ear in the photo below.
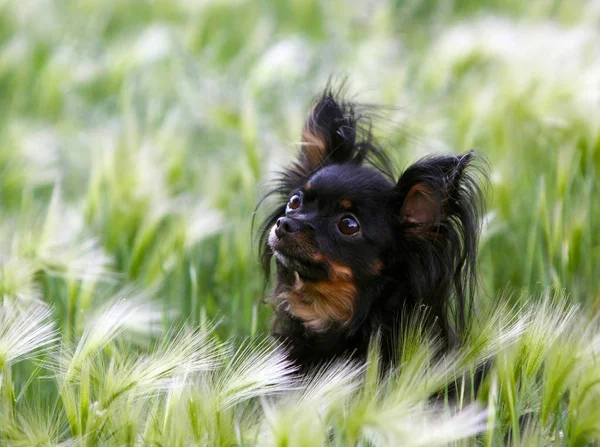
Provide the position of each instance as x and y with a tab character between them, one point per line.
438	191
440	207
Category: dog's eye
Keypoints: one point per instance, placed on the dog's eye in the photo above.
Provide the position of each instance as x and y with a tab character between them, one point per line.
295	202
349	226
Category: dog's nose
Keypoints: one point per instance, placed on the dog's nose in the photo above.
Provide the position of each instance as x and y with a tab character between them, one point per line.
285	225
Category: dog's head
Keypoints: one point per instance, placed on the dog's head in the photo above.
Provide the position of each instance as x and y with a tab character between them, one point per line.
346	230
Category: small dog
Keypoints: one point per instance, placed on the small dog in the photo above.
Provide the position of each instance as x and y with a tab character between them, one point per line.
357	250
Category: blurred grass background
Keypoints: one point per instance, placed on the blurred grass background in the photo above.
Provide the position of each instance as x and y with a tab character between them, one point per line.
161	121
136	138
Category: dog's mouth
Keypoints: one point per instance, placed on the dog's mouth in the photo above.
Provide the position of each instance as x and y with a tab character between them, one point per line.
307	269
298	256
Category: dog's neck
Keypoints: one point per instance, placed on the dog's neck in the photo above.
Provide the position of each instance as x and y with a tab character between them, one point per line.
319	305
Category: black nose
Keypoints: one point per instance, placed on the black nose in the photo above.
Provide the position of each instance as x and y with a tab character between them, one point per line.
285	226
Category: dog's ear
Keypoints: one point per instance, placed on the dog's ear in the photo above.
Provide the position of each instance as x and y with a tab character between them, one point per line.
329	134
336	131
440	202
439	190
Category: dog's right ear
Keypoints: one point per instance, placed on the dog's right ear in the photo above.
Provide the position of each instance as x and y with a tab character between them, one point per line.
329	134
328	137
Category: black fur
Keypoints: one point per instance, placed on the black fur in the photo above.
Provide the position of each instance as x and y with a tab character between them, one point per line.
416	246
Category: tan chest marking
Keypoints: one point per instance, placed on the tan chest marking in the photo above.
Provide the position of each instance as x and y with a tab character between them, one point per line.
319	304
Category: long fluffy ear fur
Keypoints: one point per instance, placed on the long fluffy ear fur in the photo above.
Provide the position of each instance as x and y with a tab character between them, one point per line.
441	202
336	131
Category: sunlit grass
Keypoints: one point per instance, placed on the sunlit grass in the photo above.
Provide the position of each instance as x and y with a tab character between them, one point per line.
137	137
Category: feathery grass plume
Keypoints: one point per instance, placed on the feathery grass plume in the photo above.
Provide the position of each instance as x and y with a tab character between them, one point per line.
17	279
37	422
329	385
185	351
499	326
563	367
221	407
116	316
541	368
198	219
424	369
568	408
25	331
174	423
572	359
54	243
60	248
255	370
130	199
125	423
102	392
303	417
28	152
421	370
394	408
419	425
550	318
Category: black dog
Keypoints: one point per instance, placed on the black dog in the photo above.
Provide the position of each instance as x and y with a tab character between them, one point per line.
356	249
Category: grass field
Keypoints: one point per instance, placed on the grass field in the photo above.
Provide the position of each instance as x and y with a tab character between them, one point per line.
135	141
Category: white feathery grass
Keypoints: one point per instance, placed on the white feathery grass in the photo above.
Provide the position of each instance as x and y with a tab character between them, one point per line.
17	280
118	315
423	426
524	90
35	149
148	176
153	44
201	221
37	423
564	364
285	59
61	249
55	244
422	369
147	187
444	429
25	331
328	383
501	327
421	377
517	43
40	152
300	417
177	394
550	319
185	352
254	371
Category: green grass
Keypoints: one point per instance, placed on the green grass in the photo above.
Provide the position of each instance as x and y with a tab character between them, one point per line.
135	140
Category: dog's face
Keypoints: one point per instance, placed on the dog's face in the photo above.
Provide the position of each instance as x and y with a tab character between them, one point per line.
338	221
345	226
